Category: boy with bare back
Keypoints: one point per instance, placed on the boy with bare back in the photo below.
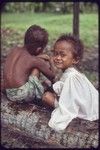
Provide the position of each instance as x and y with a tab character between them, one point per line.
23	64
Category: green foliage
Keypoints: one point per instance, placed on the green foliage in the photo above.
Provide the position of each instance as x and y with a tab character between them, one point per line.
59	7
18	7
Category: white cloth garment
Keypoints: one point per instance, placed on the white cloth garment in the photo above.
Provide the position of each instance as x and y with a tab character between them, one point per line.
77	98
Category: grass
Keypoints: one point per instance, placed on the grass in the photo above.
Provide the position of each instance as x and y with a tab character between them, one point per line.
55	24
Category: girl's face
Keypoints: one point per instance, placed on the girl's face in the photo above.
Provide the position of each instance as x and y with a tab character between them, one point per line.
63	55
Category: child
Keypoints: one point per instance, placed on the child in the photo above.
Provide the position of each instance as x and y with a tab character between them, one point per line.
74	95
20	74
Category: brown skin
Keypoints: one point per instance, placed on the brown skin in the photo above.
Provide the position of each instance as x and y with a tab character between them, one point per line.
19	65
49	98
35	72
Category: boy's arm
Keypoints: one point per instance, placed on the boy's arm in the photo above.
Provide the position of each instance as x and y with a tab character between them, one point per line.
49	61
44	67
44	56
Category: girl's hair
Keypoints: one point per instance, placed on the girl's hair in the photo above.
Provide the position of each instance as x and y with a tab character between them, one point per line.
35	37
77	44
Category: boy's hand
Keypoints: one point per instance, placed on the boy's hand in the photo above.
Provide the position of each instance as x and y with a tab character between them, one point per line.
44	56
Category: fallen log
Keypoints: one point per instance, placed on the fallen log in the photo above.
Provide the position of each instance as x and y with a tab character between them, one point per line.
15	138
79	134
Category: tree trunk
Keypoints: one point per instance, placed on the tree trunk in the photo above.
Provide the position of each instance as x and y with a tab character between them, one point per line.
79	133
76	19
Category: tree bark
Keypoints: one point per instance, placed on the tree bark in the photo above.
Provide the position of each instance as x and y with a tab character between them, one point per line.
79	134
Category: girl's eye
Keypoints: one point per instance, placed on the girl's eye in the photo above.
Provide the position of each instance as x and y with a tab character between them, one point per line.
59	54
56	54
62	55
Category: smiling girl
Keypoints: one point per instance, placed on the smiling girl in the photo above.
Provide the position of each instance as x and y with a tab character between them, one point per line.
74	95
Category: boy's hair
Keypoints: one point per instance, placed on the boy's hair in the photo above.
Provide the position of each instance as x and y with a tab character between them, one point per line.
35	37
76	43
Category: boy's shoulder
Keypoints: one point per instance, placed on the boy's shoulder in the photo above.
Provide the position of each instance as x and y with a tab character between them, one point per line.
18	52
15	49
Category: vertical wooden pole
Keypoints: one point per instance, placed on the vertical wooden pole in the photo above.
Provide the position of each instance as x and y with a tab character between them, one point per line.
76	19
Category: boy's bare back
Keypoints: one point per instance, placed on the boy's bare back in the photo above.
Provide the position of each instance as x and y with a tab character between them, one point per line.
22	60
18	67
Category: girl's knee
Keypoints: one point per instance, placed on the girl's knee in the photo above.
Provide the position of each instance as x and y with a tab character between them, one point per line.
48	98
45	96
